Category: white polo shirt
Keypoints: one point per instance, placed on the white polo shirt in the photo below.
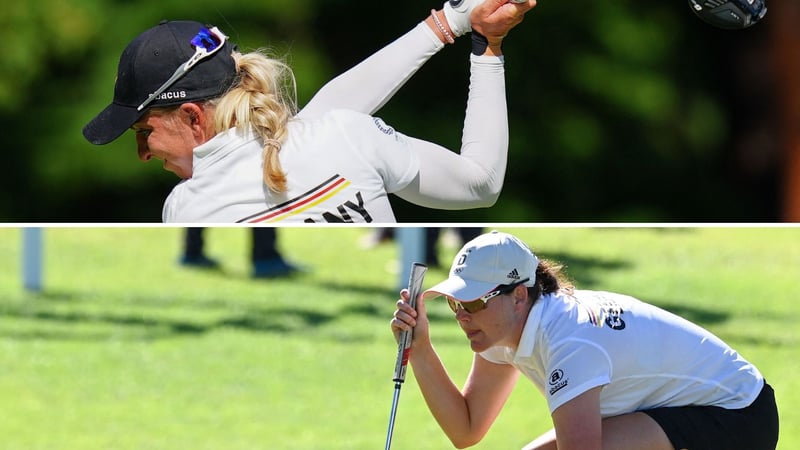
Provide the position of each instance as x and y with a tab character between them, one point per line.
643	356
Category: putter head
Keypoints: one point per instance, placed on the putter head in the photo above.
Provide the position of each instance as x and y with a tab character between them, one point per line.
729	14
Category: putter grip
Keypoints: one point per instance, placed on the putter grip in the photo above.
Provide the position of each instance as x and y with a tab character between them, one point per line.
404	345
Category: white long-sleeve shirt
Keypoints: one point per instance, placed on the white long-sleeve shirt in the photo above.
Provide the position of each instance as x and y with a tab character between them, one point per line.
341	163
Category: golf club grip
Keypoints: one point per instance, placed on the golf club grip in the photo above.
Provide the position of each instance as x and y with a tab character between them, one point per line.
404	345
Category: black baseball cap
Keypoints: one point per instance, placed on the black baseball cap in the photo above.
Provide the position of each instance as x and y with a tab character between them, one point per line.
150	60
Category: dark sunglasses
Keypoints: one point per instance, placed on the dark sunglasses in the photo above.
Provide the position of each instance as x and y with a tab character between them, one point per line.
480	304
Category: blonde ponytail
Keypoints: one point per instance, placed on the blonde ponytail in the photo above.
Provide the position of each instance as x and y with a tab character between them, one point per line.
264	98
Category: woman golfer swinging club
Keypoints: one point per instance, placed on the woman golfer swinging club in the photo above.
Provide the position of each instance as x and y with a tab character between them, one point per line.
226	123
617	373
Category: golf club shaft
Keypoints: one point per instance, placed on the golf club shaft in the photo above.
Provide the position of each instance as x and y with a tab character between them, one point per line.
392	416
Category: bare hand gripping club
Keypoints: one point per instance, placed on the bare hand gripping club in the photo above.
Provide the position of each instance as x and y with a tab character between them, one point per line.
404	345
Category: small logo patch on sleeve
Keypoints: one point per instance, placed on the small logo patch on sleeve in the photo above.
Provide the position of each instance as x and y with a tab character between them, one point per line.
557	381
385	129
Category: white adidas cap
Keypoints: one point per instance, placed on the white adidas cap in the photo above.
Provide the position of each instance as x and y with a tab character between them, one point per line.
490	260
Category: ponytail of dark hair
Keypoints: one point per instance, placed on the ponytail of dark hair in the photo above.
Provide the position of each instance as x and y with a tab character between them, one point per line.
550	278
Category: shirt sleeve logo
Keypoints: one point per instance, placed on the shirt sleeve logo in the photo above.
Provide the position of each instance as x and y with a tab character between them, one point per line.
383	127
557	381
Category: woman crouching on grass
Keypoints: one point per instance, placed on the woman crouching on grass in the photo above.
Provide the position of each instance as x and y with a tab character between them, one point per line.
617	373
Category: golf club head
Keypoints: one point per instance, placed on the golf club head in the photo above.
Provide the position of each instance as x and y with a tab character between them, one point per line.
729	14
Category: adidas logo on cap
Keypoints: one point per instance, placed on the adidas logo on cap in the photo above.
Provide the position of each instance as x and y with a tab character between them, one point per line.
484	263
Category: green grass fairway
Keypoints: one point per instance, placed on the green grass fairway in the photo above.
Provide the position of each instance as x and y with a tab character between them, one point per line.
124	349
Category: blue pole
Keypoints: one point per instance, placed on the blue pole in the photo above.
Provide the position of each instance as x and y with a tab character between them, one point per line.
32	259
412	249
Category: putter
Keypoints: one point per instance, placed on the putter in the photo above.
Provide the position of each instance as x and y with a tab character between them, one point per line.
404	345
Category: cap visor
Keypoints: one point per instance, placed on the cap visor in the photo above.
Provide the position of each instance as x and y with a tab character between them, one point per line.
111	123
459	289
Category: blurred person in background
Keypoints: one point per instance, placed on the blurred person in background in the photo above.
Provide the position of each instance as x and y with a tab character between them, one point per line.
433	236
265	258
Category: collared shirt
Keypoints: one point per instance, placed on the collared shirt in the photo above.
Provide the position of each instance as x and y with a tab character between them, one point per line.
642	356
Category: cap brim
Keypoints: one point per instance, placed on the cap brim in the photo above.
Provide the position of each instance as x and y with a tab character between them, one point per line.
459	289
111	123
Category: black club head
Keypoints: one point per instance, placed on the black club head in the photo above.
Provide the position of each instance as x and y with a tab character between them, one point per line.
729	14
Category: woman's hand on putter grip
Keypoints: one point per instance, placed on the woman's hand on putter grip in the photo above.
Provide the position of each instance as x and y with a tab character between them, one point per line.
405	318
495	18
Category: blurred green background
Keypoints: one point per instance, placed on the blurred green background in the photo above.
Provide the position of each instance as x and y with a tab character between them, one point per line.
124	349
632	110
